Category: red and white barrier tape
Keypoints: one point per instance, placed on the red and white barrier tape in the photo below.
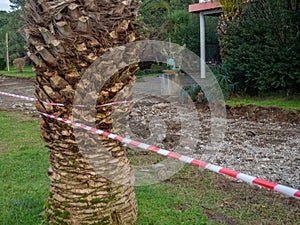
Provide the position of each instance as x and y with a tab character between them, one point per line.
19	96
58	104
113	103
214	168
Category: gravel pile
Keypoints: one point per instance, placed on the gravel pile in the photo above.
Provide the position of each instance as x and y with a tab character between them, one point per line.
265	148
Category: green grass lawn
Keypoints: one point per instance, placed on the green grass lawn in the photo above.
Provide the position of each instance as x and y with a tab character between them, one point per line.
28	73
192	196
23	160
289	103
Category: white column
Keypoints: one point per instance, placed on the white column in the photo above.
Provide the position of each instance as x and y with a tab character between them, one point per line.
202	46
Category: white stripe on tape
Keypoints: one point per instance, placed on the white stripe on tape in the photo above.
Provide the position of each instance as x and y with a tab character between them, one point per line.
112	136
213	167
163	152
286	190
186	159
245	177
126	140
143	146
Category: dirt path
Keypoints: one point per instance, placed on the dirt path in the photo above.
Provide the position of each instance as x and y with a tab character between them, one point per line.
263	142
16	86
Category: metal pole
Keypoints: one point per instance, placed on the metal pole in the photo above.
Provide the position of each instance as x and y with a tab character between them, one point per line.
7	55
202	46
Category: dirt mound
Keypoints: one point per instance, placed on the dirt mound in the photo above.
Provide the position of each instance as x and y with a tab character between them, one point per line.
259	141
259	113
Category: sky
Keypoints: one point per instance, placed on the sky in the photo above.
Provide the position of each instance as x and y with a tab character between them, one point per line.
4	5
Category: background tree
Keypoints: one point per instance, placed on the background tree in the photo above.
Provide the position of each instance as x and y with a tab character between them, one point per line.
10	22
64	38
17	4
264	47
231	13
170	20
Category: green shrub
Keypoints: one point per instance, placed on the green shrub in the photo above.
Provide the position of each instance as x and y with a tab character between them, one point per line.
195	93
264	47
224	79
2	64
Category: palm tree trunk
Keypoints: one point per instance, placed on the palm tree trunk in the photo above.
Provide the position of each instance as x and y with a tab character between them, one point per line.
64	38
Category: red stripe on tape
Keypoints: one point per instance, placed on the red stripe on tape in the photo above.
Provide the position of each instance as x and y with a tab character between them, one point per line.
118	138
153	149
229	172
134	143
93	130
105	133
297	194
174	155
199	163
264	183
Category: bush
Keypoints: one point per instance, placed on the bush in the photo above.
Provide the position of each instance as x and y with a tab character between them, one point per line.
195	93
224	79
264	47
2	64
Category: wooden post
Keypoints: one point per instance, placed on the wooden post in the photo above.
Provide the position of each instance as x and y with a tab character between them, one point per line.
7	55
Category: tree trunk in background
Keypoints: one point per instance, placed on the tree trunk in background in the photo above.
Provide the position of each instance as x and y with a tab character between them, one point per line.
64	38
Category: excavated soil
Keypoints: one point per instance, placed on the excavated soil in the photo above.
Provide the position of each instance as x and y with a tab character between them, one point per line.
262	142
259	141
